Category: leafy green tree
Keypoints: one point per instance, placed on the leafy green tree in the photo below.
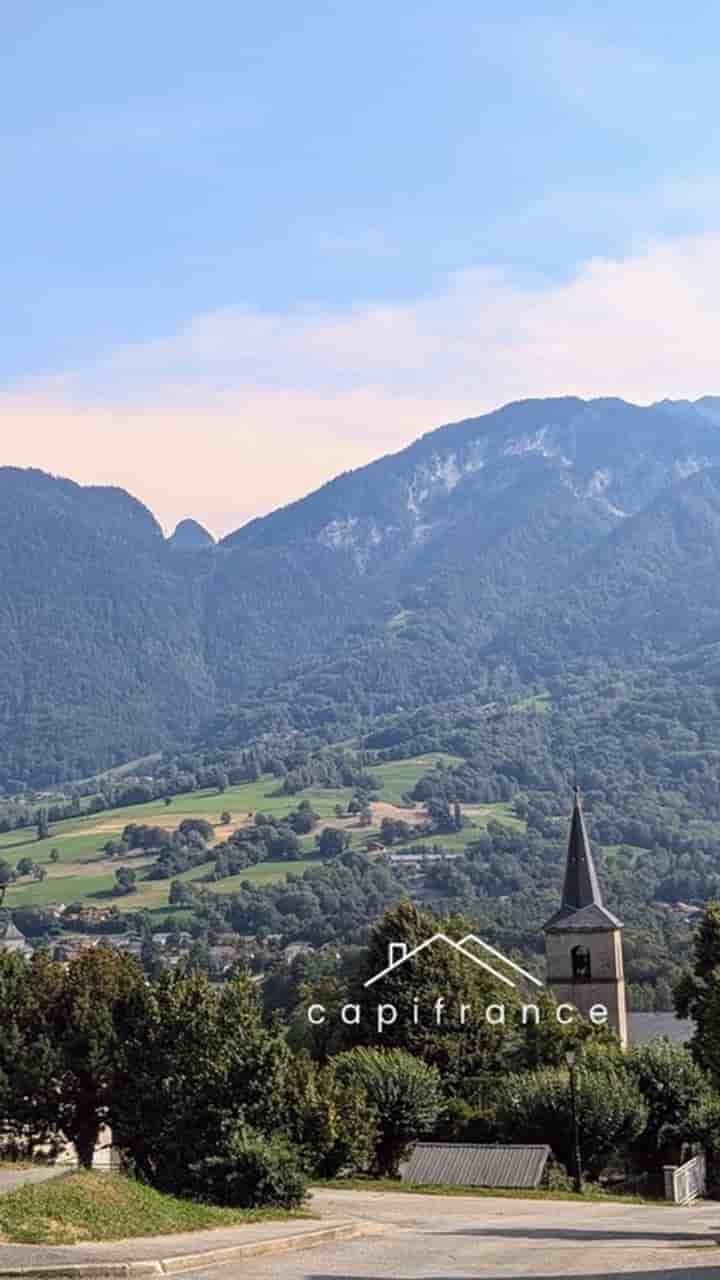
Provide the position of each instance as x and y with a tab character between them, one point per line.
63	1036
181	894
672	1084
199	1062
125	880
535	1107
404	1093
331	842
330	1119
25	867
29	1058
697	994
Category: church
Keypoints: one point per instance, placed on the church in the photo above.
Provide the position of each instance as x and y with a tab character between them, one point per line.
583	940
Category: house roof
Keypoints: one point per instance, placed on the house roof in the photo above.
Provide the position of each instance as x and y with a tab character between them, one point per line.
582	906
462	1164
11	939
9	932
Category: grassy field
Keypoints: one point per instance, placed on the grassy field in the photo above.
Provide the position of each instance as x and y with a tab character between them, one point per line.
400	776
83	872
540	702
80	1207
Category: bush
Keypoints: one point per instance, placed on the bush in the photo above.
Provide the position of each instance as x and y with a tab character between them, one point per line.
535	1107
337	1127
249	1171
672	1084
404	1093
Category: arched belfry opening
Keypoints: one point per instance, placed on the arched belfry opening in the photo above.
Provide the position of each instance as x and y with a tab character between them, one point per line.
581	967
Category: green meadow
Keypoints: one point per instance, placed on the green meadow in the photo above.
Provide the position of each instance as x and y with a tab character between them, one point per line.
83	872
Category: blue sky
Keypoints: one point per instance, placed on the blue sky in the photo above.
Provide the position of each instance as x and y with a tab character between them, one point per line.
328	227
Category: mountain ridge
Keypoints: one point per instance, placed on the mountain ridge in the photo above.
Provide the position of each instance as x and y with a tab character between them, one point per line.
485	553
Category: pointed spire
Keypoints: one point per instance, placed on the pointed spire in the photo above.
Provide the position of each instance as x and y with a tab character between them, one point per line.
581	888
582	904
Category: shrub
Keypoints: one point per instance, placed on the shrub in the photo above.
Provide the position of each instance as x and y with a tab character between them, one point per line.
672	1084
535	1107
250	1171
331	1120
405	1094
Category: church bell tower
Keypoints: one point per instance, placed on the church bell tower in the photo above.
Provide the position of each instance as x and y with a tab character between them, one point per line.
583	941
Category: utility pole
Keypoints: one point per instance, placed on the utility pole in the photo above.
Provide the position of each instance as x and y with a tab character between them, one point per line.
571	1059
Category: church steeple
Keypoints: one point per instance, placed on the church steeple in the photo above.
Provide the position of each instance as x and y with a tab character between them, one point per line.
583	939
582	905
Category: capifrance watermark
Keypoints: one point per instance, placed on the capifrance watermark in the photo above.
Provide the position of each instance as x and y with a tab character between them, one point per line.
446	1013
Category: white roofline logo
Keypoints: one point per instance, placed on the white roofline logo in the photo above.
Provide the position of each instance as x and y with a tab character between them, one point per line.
398	954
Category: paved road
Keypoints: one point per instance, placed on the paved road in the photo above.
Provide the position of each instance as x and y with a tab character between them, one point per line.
14	1176
438	1238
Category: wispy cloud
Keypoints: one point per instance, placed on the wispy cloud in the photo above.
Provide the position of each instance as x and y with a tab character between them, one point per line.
241	411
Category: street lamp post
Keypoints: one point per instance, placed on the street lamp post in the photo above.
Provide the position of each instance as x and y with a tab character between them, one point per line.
570	1058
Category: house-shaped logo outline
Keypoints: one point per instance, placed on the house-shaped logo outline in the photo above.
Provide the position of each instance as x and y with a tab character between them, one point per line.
457	946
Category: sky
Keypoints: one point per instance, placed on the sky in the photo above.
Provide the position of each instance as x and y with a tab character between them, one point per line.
248	247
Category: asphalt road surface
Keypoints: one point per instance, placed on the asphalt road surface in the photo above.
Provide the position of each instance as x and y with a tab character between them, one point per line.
453	1237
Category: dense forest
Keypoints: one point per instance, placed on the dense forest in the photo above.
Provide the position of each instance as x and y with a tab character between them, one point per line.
478	562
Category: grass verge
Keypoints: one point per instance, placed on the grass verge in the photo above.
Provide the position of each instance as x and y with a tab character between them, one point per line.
506	1193
80	1207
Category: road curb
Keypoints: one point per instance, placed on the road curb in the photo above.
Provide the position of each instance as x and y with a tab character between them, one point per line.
193	1261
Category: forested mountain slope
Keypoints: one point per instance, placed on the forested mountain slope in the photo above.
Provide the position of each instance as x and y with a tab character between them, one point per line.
101	649
486	555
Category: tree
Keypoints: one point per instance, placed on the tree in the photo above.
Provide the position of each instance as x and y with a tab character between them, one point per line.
331	842
62	1041
198	1063
535	1106
54	855
29	1063
697	995
329	1119
196	827
43	826
181	894
404	1093
100	997
125	880
25	867
672	1083
225	818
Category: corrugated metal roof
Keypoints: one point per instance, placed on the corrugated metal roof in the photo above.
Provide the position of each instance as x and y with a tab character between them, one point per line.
463	1164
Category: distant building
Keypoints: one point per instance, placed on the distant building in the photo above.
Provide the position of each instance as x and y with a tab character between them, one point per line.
11	939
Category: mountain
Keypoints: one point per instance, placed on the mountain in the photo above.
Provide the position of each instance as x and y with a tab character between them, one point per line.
190	536
487	554
101	648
